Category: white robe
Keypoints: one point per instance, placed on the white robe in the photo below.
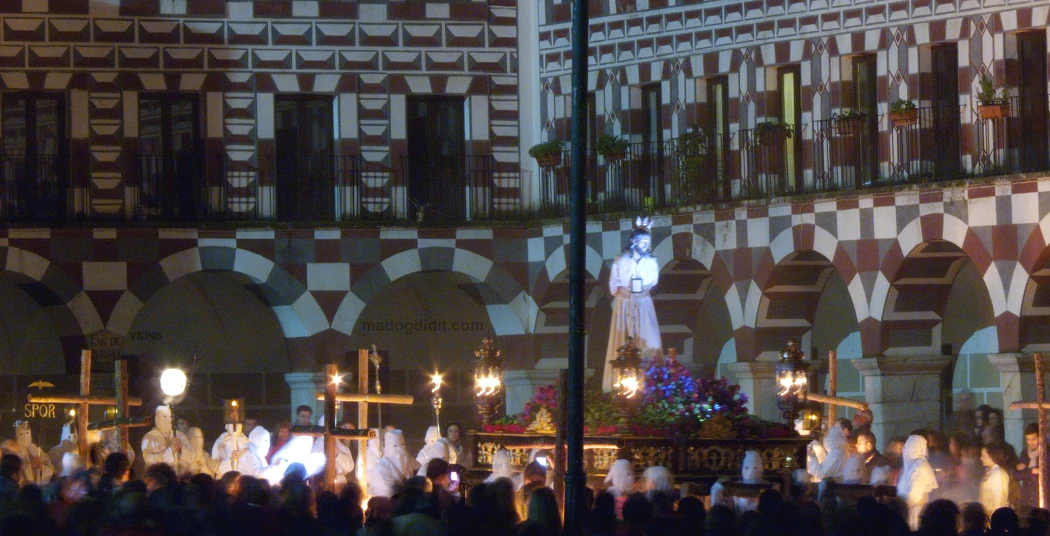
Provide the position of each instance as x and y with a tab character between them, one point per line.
344	459
917	479
222	453
633	313
995	489
395	467
435	447
59	450
157	448
620	478
503	466
30	475
831	464
298	449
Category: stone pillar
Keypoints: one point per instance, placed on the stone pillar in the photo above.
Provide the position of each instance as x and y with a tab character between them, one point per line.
1017	379
304	387
757	379
519	385
904	393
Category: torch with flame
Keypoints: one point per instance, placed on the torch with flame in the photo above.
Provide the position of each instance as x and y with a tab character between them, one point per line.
435	399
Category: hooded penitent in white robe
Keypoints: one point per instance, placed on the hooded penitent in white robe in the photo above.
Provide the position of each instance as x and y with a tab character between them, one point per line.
620	479
917	479
68	444
435	447
831	464
658	478
373	453
258	447
228	443
751	470
632	312
201	462
995	489
159	446
29	452
391	472
502	466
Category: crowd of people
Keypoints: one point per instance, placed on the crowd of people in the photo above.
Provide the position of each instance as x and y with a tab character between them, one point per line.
969	482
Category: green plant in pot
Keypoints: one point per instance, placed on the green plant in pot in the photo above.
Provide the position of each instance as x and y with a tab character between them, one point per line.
611	147
548	153
903	113
772	132
991	104
849	122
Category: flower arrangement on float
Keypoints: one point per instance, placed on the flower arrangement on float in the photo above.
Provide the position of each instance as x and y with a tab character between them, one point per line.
673	405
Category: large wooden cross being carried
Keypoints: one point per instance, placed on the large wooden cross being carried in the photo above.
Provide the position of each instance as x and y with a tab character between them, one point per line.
1040	405
121	421
84	401
362	433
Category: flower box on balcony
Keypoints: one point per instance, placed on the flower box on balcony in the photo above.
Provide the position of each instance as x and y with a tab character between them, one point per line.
903	113
548	153
612	148
549	160
906	118
995	110
849	123
769	133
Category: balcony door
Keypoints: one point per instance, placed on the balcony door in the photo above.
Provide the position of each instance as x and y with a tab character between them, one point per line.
718	133
1031	55
304	165
170	164
791	114
34	181
652	147
944	139
865	100
436	157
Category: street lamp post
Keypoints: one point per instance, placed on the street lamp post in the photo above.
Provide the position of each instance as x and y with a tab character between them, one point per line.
792	376
173	385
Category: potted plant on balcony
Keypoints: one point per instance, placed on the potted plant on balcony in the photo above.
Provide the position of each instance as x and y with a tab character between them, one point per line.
612	148
991	104
903	113
548	153
849	122
771	133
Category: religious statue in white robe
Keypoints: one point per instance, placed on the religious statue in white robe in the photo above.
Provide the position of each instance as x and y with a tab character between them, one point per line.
163	444
632	276
395	467
917	479
36	465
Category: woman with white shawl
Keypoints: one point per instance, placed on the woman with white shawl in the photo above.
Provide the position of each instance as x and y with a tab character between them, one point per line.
917	479
995	486
829	462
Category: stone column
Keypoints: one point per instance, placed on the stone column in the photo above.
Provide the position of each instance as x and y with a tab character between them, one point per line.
904	393
304	387
757	380
1017	379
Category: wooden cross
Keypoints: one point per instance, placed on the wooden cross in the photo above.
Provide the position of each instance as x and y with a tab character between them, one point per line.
121	421
84	402
1040	405
362	434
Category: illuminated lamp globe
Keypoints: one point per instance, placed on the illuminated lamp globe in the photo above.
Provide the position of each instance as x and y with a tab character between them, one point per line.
173	382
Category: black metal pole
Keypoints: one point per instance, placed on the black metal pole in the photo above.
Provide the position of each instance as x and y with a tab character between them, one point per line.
575	478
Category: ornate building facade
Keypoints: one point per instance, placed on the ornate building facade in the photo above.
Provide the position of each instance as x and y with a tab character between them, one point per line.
255	188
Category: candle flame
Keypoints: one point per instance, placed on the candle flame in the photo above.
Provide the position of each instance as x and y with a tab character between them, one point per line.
435	379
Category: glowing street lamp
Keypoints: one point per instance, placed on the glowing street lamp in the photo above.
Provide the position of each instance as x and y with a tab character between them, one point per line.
792	377
173	382
488	379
